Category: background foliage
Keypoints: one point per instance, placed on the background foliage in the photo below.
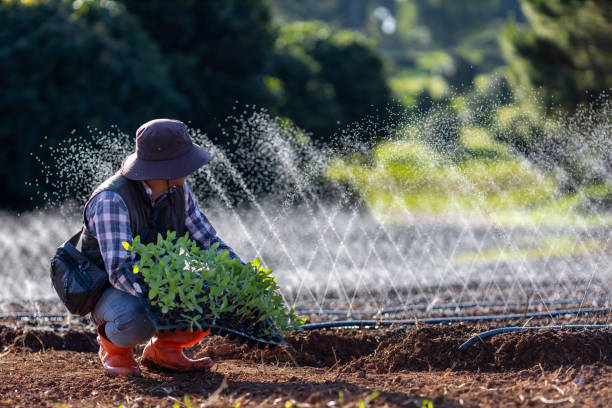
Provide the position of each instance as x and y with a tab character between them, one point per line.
510	67
328	77
218	52
69	65
566	52
65	68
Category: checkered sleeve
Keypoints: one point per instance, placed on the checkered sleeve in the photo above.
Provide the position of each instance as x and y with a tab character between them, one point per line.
108	220
199	227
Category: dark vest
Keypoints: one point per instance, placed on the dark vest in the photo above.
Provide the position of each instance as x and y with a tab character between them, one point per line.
171	216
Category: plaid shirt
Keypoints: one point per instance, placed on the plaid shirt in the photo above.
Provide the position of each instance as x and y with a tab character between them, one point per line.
108	221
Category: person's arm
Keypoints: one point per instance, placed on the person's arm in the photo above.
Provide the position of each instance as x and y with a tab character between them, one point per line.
199	227
108	220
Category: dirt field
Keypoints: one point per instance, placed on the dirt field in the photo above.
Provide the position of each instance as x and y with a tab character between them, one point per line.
397	367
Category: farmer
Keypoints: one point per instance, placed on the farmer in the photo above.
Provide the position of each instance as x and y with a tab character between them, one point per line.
152	178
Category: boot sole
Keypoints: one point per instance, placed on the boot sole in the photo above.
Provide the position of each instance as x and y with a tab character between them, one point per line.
123	374
158	367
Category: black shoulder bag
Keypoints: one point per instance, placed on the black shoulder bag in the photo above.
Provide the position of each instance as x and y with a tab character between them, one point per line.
78	281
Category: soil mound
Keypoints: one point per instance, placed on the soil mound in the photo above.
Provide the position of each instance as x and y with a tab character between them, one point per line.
36	340
320	348
438	348
428	347
383	351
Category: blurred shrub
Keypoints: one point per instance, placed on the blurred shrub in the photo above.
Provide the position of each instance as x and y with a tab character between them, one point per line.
331	77
455	68
582	145
563	60
450	21
577	146
409	174
476	142
523	127
567	51
415	90
441	131
65	65
307	97
439	127
597	198
490	92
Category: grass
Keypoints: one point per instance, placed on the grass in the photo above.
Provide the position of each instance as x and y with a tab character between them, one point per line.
483	180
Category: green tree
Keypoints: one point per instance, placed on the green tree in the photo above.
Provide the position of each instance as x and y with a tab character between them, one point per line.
66	66
412	33
449	21
566	52
217	50
466	31
330	78
352	14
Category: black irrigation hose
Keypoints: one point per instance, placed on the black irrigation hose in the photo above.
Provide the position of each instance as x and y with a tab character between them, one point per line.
442	306
493	332
381	323
20	315
451	306
435	320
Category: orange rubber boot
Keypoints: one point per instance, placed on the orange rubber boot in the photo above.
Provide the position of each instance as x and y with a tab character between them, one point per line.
165	349
116	360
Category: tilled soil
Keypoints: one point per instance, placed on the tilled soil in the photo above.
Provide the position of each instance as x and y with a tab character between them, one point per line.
405	366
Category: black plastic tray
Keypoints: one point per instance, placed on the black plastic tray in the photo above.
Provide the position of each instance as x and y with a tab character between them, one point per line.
218	328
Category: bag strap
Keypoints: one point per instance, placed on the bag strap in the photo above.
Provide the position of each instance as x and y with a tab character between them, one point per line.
76	237
151	223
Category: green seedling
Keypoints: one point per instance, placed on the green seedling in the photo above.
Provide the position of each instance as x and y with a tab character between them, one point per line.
206	285
426	404
369	398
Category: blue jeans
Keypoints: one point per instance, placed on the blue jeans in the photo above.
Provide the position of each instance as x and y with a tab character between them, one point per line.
127	323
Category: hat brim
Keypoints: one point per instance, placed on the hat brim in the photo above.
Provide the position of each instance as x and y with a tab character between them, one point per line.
137	169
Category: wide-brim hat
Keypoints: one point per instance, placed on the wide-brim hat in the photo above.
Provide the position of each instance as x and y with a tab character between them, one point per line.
164	151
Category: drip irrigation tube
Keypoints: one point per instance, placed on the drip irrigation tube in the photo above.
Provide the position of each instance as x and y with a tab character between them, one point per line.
435	320
493	332
20	315
379	323
451	306
391	310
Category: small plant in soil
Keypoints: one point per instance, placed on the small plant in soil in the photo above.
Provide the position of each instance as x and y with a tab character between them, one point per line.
190	286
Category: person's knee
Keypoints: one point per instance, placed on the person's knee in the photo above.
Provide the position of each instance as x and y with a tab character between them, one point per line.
131	327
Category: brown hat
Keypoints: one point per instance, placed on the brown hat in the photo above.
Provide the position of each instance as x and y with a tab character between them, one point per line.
164	151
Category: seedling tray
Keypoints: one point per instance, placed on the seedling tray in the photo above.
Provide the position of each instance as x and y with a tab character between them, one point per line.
253	336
